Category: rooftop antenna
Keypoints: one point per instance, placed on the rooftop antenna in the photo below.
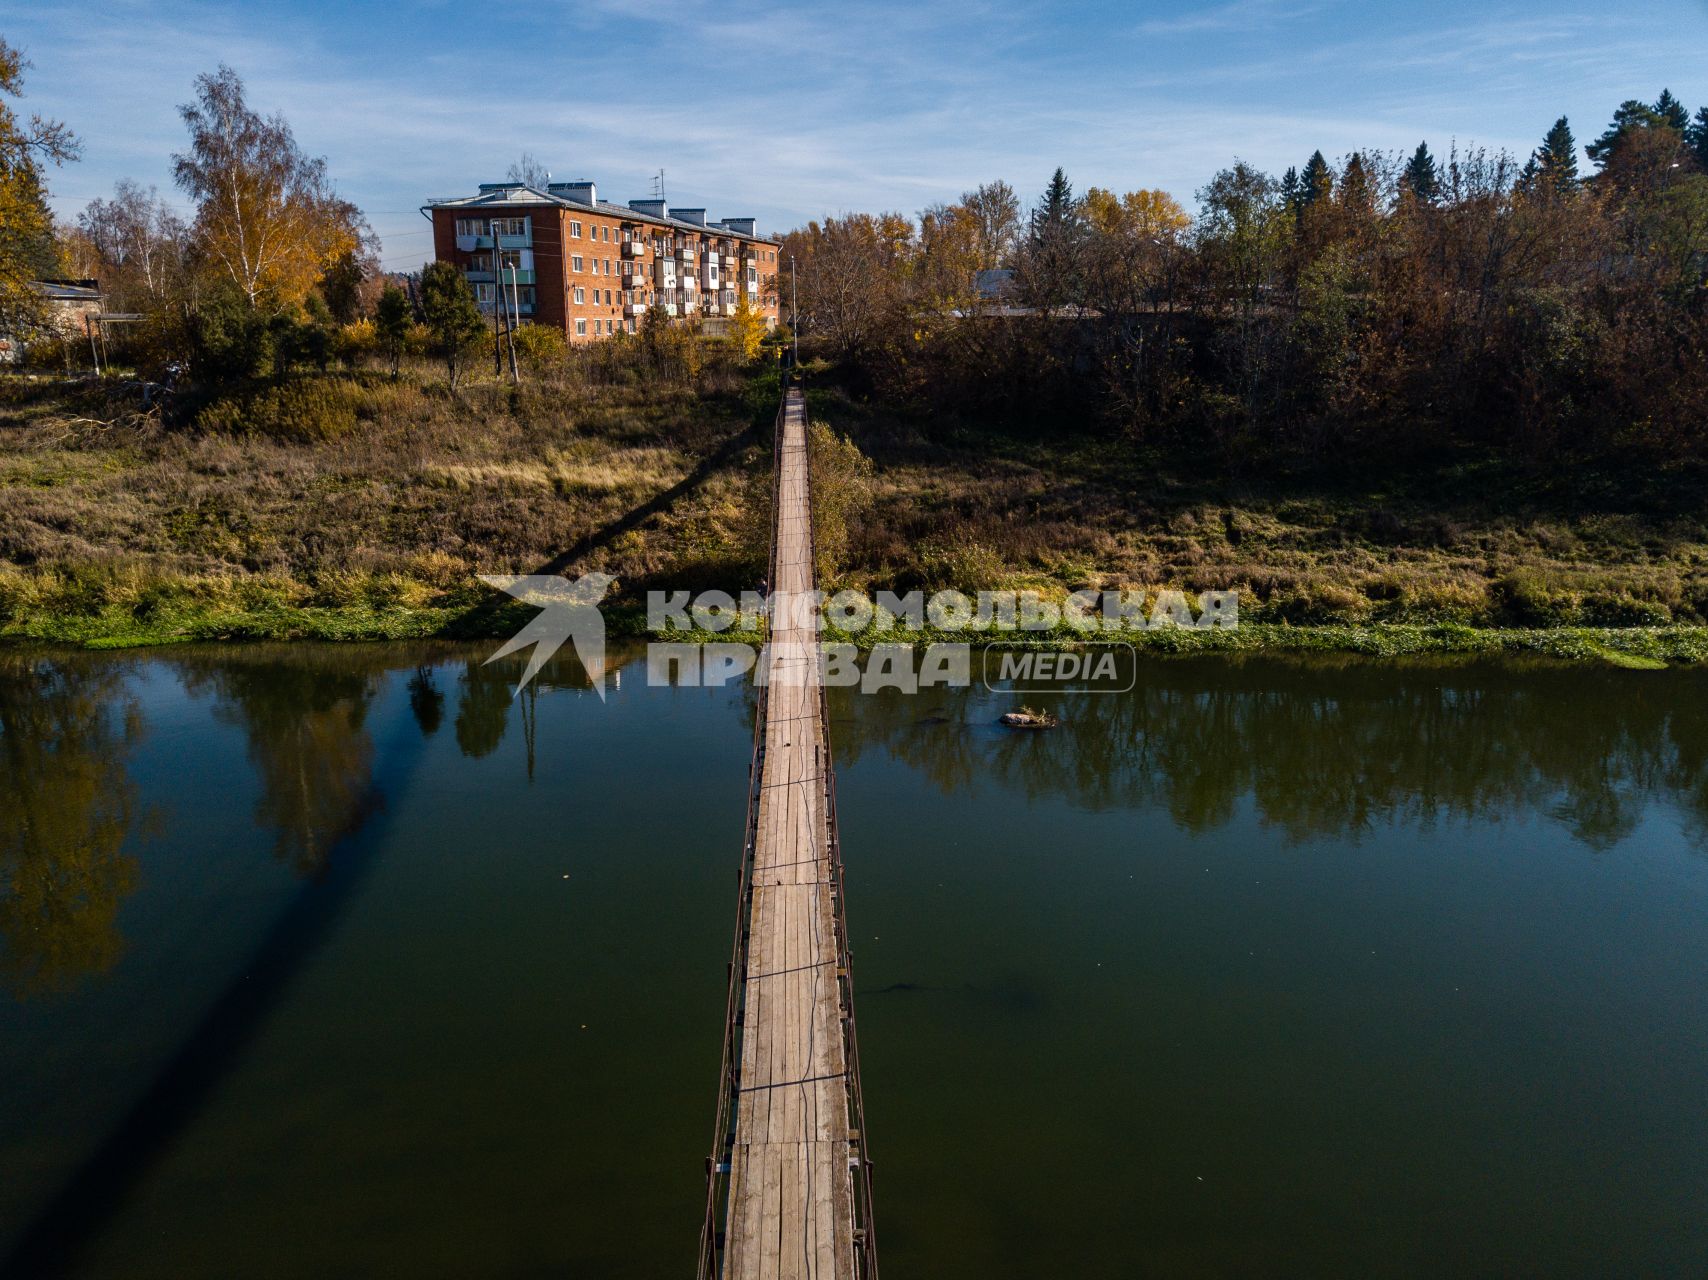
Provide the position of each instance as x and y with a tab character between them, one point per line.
658	186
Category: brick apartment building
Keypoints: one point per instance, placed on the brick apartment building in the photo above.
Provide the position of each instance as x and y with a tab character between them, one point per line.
592	268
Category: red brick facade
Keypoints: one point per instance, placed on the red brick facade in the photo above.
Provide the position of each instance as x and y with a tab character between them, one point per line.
592	269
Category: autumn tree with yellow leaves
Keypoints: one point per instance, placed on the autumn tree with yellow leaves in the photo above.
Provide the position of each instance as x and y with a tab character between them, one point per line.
747	327
27	246
267	218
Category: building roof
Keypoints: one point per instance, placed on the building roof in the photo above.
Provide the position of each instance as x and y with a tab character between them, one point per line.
517	195
68	290
993	283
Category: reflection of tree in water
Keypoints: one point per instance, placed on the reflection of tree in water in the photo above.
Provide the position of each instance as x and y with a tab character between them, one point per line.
66	805
1327	747
489	691
483	710
303	714
425	700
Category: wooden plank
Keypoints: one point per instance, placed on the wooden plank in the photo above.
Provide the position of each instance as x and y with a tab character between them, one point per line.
791	1197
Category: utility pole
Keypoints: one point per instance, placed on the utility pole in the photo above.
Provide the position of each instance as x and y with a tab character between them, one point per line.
497	302
515	312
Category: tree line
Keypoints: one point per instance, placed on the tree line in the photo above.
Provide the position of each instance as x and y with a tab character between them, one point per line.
273	272
1377	301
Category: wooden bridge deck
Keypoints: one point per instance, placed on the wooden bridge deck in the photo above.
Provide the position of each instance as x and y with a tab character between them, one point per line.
791	1195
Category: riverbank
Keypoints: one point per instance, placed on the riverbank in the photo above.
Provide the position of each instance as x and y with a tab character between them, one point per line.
187	620
349	506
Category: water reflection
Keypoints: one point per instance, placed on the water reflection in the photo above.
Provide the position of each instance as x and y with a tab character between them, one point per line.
1317	747
304	717
483	709
1325	746
425	700
66	805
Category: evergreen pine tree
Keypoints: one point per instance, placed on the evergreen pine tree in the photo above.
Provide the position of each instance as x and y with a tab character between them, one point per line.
1630	115
1421	175
1696	135
1291	191
1050	272
1317	181
1555	163
1056	210
1355	185
1671	112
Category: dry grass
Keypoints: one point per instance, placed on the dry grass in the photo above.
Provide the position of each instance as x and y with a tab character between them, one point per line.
421	493
952	507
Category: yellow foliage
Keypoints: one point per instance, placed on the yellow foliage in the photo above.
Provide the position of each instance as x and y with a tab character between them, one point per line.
747	327
1149	213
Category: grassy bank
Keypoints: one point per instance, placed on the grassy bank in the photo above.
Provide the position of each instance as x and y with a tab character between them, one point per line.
1445	540
348	506
366	507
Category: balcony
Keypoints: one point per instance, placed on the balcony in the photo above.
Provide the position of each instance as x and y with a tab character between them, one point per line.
634	248
521	308
634	308
478	277
468	244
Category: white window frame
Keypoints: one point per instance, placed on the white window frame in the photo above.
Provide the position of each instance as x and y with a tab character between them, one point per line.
581	328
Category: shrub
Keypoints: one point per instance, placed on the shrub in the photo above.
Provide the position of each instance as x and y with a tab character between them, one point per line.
1625	611
307	410
1525	600
354	343
541	348
841	490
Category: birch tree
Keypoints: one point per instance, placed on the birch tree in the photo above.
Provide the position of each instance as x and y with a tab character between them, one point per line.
267	218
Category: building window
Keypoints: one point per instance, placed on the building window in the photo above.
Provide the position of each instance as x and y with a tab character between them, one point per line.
581	328
580	294
575	231
509	226
471	226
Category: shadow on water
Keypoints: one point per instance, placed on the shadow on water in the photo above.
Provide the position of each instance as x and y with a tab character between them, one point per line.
304	718
67	722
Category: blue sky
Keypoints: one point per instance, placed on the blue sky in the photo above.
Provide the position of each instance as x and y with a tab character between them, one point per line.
788	112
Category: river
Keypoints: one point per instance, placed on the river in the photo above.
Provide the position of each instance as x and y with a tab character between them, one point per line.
326	960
